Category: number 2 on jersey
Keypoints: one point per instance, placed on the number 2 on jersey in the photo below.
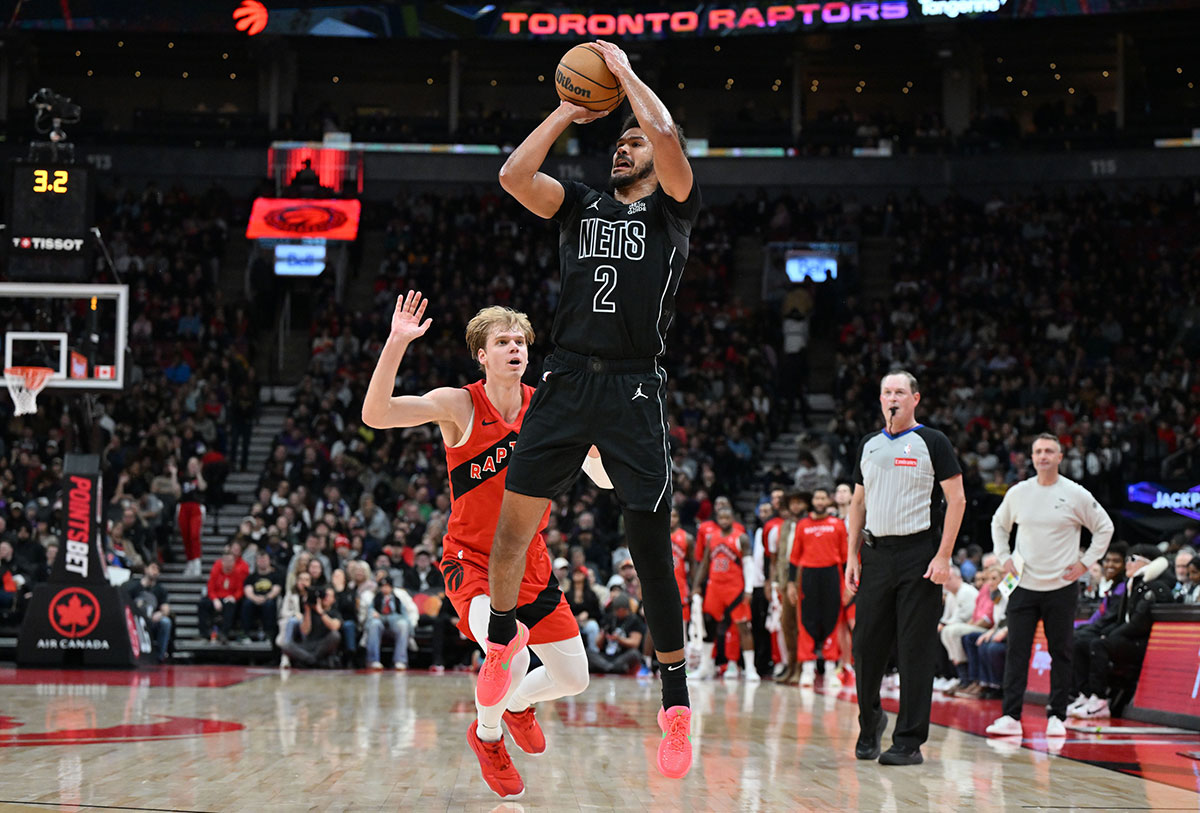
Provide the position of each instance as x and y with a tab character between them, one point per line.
606	275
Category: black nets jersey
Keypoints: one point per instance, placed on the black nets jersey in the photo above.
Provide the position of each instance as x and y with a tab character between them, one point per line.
621	264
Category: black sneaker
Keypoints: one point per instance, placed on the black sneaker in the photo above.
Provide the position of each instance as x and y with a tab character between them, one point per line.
901	755
869	748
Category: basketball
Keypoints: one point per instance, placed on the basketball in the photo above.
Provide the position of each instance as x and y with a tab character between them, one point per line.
583	78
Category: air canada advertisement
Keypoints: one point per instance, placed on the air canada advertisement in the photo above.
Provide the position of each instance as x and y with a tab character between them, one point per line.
77	617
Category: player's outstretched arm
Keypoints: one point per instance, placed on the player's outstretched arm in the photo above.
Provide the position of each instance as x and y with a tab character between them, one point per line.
382	410
670	161
521	176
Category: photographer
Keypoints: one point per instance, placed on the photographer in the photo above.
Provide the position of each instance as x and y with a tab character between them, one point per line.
621	639
149	600
320	626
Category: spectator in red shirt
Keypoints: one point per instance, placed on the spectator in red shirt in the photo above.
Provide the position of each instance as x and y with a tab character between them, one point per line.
225	585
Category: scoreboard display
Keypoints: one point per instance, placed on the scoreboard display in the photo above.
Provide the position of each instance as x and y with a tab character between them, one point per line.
50	208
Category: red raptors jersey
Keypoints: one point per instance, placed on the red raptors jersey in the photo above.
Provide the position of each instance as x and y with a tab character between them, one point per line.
725	558
679	543
819	542
477	468
707	529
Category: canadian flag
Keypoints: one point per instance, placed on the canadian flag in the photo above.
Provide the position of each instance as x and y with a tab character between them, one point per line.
106	372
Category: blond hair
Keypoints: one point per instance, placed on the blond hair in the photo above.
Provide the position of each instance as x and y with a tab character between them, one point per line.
495	317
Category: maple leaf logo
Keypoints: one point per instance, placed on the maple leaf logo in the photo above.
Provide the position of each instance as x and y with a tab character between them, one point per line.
74	612
251	17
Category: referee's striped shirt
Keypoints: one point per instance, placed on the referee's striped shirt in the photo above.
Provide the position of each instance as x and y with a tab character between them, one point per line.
901	475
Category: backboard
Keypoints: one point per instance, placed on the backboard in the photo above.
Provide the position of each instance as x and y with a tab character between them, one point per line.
78	330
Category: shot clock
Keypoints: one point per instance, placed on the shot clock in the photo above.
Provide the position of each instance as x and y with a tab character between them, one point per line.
50	214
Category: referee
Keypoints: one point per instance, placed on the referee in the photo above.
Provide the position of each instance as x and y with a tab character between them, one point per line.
900	476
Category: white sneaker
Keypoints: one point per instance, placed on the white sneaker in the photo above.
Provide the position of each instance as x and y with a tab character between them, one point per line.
285	662
401	667
375	665
1074	710
1005	727
780	668
1055	727
1095	709
808	673
731	671
752	676
951	683
1078	703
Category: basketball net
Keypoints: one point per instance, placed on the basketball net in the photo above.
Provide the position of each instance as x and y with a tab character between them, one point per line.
24	384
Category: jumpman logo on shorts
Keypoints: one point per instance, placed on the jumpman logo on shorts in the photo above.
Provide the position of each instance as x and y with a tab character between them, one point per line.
639	394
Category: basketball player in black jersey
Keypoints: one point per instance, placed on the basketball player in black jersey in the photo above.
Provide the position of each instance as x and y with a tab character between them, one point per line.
622	255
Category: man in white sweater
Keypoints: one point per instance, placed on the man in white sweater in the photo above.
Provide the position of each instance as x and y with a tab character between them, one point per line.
1049	511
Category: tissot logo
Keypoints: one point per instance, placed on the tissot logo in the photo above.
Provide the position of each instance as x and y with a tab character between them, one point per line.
74	612
308	218
48	243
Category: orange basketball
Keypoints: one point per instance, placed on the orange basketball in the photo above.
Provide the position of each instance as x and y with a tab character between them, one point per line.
582	77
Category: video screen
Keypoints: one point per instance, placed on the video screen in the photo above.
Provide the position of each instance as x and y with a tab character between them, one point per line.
802	265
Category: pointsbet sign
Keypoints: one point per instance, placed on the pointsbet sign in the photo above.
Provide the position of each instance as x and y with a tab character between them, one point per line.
715	20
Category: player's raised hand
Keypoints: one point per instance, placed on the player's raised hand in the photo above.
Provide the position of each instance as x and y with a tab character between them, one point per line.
406	321
616	59
581	115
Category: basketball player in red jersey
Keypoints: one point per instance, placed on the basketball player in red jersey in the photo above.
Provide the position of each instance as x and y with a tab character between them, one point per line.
815	573
681	543
727	597
709	527
479	425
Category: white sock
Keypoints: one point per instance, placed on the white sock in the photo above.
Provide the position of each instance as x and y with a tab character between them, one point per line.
748	659
487	733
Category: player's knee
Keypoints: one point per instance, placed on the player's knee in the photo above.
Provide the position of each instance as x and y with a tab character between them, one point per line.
576	680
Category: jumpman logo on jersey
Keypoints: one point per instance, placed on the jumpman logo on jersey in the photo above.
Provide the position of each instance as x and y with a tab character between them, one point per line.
639	394
594	205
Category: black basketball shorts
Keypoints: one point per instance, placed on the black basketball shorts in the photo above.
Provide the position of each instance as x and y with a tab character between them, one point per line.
617	405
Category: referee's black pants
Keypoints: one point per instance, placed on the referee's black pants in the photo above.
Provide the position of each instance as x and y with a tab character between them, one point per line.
1056	610
898	608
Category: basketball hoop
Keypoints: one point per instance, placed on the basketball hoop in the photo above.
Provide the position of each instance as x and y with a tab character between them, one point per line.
24	384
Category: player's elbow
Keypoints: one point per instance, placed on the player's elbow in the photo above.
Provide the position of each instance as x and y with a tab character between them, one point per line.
509	178
371	417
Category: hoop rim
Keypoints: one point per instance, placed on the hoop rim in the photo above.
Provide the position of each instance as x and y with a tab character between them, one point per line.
34	378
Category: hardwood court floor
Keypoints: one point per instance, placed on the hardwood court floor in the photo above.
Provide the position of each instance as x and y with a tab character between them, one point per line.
231	739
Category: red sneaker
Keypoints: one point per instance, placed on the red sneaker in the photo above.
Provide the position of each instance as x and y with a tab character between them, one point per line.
494	675
498	770
675	750
524	729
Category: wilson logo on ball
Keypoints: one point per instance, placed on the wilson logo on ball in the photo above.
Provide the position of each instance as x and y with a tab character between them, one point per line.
566	84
